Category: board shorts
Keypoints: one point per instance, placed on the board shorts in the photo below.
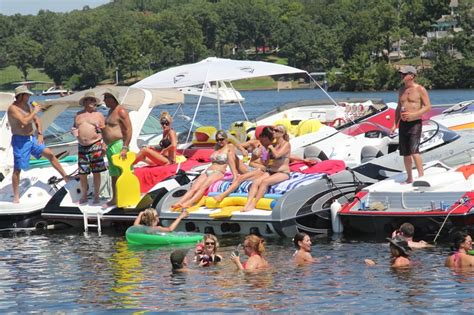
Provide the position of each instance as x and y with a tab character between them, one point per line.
409	134
114	148
91	158
23	148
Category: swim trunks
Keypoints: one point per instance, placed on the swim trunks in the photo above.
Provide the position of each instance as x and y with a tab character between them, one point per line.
114	148
23	147
91	158
409	137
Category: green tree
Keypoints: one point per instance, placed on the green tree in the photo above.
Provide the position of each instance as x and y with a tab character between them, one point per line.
61	60
92	66
24	53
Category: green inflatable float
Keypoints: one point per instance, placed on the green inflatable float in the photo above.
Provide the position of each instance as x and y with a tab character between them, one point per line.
145	235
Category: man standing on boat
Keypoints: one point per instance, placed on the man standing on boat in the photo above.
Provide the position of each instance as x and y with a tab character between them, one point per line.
117	134
87	129
413	102
24	142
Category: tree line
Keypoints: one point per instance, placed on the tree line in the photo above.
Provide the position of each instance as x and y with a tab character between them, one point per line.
349	39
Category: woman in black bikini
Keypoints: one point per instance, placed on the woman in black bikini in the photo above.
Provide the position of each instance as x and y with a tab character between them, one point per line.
165	153
276	160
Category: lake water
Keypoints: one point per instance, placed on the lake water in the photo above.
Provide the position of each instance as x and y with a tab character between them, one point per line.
67	271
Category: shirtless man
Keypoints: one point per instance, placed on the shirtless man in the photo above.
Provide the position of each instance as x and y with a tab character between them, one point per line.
407	230
24	143
87	129
117	134
413	102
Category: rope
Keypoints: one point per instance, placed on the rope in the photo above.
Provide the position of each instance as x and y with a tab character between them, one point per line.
461	202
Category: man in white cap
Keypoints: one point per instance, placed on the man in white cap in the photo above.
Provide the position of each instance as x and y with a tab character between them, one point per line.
117	135
87	128
413	102
24	143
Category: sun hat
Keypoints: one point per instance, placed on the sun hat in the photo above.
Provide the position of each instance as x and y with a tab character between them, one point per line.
89	94
177	258
401	243
408	69
22	89
113	93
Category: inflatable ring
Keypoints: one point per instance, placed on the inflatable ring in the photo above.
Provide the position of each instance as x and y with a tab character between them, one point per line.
145	235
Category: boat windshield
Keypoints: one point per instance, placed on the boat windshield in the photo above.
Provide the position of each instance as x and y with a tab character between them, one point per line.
434	135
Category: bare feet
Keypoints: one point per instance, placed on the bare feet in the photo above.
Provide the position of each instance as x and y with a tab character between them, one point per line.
218	198
109	203
83	200
16	201
96	200
176	206
248	207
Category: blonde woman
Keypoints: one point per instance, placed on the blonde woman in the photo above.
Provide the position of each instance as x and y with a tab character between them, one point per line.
149	217
206	252
277	163
167	146
253	248
215	172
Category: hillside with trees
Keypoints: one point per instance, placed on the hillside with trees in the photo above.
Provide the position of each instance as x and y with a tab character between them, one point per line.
355	41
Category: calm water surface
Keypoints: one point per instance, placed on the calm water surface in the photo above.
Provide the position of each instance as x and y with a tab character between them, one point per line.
67	271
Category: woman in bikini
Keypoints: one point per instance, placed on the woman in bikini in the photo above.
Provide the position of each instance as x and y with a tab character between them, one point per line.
253	248
165	153
250	172
206	252
460	258
303	249
215	172
277	166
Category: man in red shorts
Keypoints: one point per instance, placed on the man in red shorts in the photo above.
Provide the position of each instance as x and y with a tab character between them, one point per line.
413	102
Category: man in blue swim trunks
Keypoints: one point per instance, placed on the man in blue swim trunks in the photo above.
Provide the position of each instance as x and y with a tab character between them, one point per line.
24	142
413	102
117	134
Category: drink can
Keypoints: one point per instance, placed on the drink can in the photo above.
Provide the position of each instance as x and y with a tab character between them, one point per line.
433	205
441	205
34	104
362	205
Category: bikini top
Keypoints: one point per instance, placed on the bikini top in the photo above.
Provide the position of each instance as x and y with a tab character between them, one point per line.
256	153
219	158
165	142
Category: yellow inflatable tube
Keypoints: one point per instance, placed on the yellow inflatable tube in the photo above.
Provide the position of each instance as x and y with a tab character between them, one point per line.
263	203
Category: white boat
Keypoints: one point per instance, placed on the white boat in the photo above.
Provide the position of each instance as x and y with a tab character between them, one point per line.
211	92
459	116
439	201
55	91
36	184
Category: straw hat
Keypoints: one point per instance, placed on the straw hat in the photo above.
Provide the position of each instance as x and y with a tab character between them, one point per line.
22	89
112	93
89	94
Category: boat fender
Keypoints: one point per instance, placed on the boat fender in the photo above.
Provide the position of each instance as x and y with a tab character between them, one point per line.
335	220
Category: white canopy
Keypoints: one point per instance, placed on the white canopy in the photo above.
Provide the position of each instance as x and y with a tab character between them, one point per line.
131	98
6	99
213	69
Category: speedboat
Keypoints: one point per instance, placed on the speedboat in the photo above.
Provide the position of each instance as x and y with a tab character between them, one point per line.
459	116
212	91
306	207
439	201
55	91
38	184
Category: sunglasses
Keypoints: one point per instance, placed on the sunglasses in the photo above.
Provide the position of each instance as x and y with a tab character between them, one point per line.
404	74
164	123
220	139
108	96
89	99
210	243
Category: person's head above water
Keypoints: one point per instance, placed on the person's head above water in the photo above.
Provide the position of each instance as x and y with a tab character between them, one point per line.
149	217
178	259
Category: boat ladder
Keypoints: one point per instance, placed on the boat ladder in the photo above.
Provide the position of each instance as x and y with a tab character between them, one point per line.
88	225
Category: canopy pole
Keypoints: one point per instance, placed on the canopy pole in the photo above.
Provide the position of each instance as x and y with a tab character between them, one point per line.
218	106
324	91
238	101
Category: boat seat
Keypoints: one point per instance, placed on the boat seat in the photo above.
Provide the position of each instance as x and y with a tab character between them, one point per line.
308	126
242	130
205	136
291	126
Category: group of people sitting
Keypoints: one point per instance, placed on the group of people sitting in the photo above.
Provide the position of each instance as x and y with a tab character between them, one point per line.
268	165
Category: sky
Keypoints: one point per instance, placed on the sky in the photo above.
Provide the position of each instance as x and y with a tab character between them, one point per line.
25	7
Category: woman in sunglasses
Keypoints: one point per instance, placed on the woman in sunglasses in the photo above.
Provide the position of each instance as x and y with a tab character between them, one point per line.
215	172
276	158
165	153
205	253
